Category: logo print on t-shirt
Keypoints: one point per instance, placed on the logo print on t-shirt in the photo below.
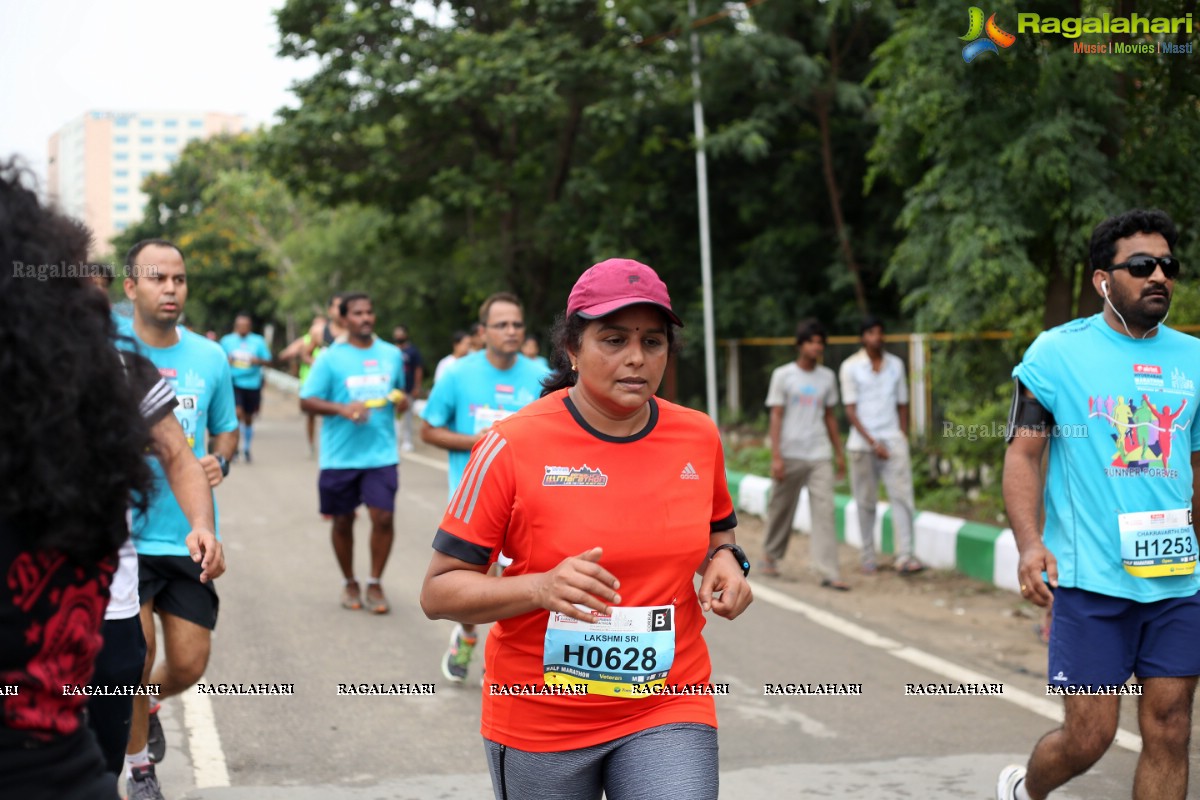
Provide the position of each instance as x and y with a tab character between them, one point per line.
689	473
574	476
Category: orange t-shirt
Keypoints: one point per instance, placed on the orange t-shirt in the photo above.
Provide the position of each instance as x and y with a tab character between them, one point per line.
543	485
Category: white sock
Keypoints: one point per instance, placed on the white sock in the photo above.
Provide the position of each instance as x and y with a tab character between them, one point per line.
139	758
1020	792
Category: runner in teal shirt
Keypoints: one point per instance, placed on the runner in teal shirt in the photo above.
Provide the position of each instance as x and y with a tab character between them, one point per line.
248	354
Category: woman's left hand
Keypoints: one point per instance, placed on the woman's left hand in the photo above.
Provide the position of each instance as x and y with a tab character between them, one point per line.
724	589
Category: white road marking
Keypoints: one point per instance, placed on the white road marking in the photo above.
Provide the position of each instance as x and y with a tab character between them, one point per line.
204	743
1030	702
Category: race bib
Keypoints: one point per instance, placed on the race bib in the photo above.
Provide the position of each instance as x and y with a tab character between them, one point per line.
618	656
486	417
1155	544
188	414
371	390
241	359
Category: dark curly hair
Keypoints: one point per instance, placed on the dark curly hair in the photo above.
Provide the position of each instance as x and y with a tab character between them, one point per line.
72	443
567	335
1103	246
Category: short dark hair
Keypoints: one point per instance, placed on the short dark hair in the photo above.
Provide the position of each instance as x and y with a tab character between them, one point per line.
458	336
474	328
808	328
1103	246
136	250
868	322
352	297
245	314
499	297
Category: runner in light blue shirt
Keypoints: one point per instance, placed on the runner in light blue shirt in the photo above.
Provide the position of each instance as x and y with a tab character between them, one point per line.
248	354
357	386
477	391
1105	534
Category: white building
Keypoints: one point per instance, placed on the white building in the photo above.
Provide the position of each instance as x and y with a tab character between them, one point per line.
98	161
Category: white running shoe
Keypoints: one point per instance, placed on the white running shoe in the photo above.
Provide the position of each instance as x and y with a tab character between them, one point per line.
1010	778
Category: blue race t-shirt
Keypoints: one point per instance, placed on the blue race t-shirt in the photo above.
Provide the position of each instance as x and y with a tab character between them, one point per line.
240	349
348	374
473	394
198	371
1120	456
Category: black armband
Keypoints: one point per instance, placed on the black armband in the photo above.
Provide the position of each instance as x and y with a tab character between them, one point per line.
1027	412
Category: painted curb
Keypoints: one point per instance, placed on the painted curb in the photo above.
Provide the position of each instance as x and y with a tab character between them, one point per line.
983	552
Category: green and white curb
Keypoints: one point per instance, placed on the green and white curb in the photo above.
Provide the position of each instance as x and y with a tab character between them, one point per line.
983	552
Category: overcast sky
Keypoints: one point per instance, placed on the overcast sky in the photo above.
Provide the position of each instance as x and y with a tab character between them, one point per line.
61	58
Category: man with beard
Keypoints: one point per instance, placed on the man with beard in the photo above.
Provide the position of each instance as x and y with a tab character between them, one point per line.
1116	554
357	386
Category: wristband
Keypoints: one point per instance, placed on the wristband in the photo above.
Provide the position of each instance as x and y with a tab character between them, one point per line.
738	553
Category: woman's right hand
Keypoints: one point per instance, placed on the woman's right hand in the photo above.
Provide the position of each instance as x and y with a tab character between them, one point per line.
578	579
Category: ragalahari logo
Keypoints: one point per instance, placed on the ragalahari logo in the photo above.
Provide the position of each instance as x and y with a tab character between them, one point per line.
995	36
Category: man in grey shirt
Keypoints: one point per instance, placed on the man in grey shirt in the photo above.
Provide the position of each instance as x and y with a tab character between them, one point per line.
804	435
875	391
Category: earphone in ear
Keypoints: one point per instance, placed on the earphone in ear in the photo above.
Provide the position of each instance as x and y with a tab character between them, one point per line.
1104	287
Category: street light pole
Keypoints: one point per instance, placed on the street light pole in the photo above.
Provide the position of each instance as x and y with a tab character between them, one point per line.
710	345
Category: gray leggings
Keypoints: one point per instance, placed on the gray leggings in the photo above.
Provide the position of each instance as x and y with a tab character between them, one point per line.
669	762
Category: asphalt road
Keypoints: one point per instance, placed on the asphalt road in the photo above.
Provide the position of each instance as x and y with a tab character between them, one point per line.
280	622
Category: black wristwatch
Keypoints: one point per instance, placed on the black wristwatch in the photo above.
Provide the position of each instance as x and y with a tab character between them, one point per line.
223	464
738	553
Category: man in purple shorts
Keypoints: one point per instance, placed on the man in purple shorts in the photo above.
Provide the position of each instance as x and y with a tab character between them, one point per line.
358	386
1118	559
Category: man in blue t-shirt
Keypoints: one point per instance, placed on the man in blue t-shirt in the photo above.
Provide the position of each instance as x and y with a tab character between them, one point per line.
248	354
1117	553
169	581
476	392
357	385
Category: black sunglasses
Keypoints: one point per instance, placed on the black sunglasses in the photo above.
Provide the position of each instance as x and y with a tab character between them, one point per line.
1144	266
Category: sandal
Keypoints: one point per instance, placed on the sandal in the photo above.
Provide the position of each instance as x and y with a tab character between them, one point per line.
351	596
835	585
376	602
909	566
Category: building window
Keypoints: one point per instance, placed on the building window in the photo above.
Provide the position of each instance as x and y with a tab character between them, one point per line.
147	123
121	139
122	190
147	140
170	140
121	122
121	207
172	157
120	226
121	156
195	123
147	156
170	123
121	173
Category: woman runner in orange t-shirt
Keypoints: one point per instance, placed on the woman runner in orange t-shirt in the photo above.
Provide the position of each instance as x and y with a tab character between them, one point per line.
609	501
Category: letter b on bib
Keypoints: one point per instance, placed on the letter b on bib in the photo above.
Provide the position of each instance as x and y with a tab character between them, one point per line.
660	619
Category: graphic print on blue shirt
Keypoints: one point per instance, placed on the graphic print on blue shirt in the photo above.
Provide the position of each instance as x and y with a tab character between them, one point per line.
1118	491
198	371
240	350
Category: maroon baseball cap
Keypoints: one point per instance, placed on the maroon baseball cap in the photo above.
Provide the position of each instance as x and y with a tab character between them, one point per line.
616	283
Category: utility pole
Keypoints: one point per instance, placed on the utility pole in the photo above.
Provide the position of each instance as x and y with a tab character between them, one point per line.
710	345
